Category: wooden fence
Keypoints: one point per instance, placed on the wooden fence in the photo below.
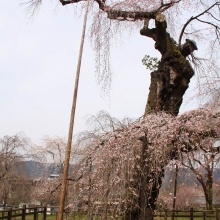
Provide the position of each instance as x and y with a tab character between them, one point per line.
10	213
190	214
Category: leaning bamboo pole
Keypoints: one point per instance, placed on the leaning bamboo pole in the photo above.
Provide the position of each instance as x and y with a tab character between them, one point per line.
72	117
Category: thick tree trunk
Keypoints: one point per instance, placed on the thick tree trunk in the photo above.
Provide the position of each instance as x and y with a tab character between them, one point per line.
168	85
149	186
171	80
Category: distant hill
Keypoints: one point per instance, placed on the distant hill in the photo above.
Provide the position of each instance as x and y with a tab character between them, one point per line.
185	176
37	170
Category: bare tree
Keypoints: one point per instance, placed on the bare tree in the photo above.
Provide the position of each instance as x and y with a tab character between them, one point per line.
205	159
51	155
186	197
14	181
202	163
52	151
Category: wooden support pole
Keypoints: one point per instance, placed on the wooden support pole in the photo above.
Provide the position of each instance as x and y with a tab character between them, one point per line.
175	187
69	143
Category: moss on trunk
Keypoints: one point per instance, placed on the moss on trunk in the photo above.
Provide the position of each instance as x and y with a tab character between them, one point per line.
169	83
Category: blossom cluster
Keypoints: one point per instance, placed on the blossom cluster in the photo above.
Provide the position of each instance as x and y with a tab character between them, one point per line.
117	160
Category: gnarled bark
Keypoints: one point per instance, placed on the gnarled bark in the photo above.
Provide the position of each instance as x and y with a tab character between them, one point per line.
168	85
171	80
149	186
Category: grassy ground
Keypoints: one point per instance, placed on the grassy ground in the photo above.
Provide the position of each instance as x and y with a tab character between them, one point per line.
31	217
185	218
77	216
197	216
84	217
54	217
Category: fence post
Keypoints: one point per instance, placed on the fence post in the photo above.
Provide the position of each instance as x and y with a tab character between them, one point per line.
9	213
35	213
23	214
204	215
165	214
217	214
173	212
45	213
191	214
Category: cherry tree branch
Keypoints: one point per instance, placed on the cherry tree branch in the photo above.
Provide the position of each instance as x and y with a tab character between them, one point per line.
195	18
213	16
63	2
191	167
165	6
123	15
68	179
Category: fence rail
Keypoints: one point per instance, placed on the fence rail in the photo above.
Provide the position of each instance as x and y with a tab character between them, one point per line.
190	214
10	213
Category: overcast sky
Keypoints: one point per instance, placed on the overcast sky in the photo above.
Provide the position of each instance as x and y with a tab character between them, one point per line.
37	72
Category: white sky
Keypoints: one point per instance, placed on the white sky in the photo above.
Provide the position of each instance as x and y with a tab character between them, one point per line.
37	73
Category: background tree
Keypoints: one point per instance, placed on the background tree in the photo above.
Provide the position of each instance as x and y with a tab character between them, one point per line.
202	163
212	99
51	151
162	21
46	191
186	196
51	155
14	181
